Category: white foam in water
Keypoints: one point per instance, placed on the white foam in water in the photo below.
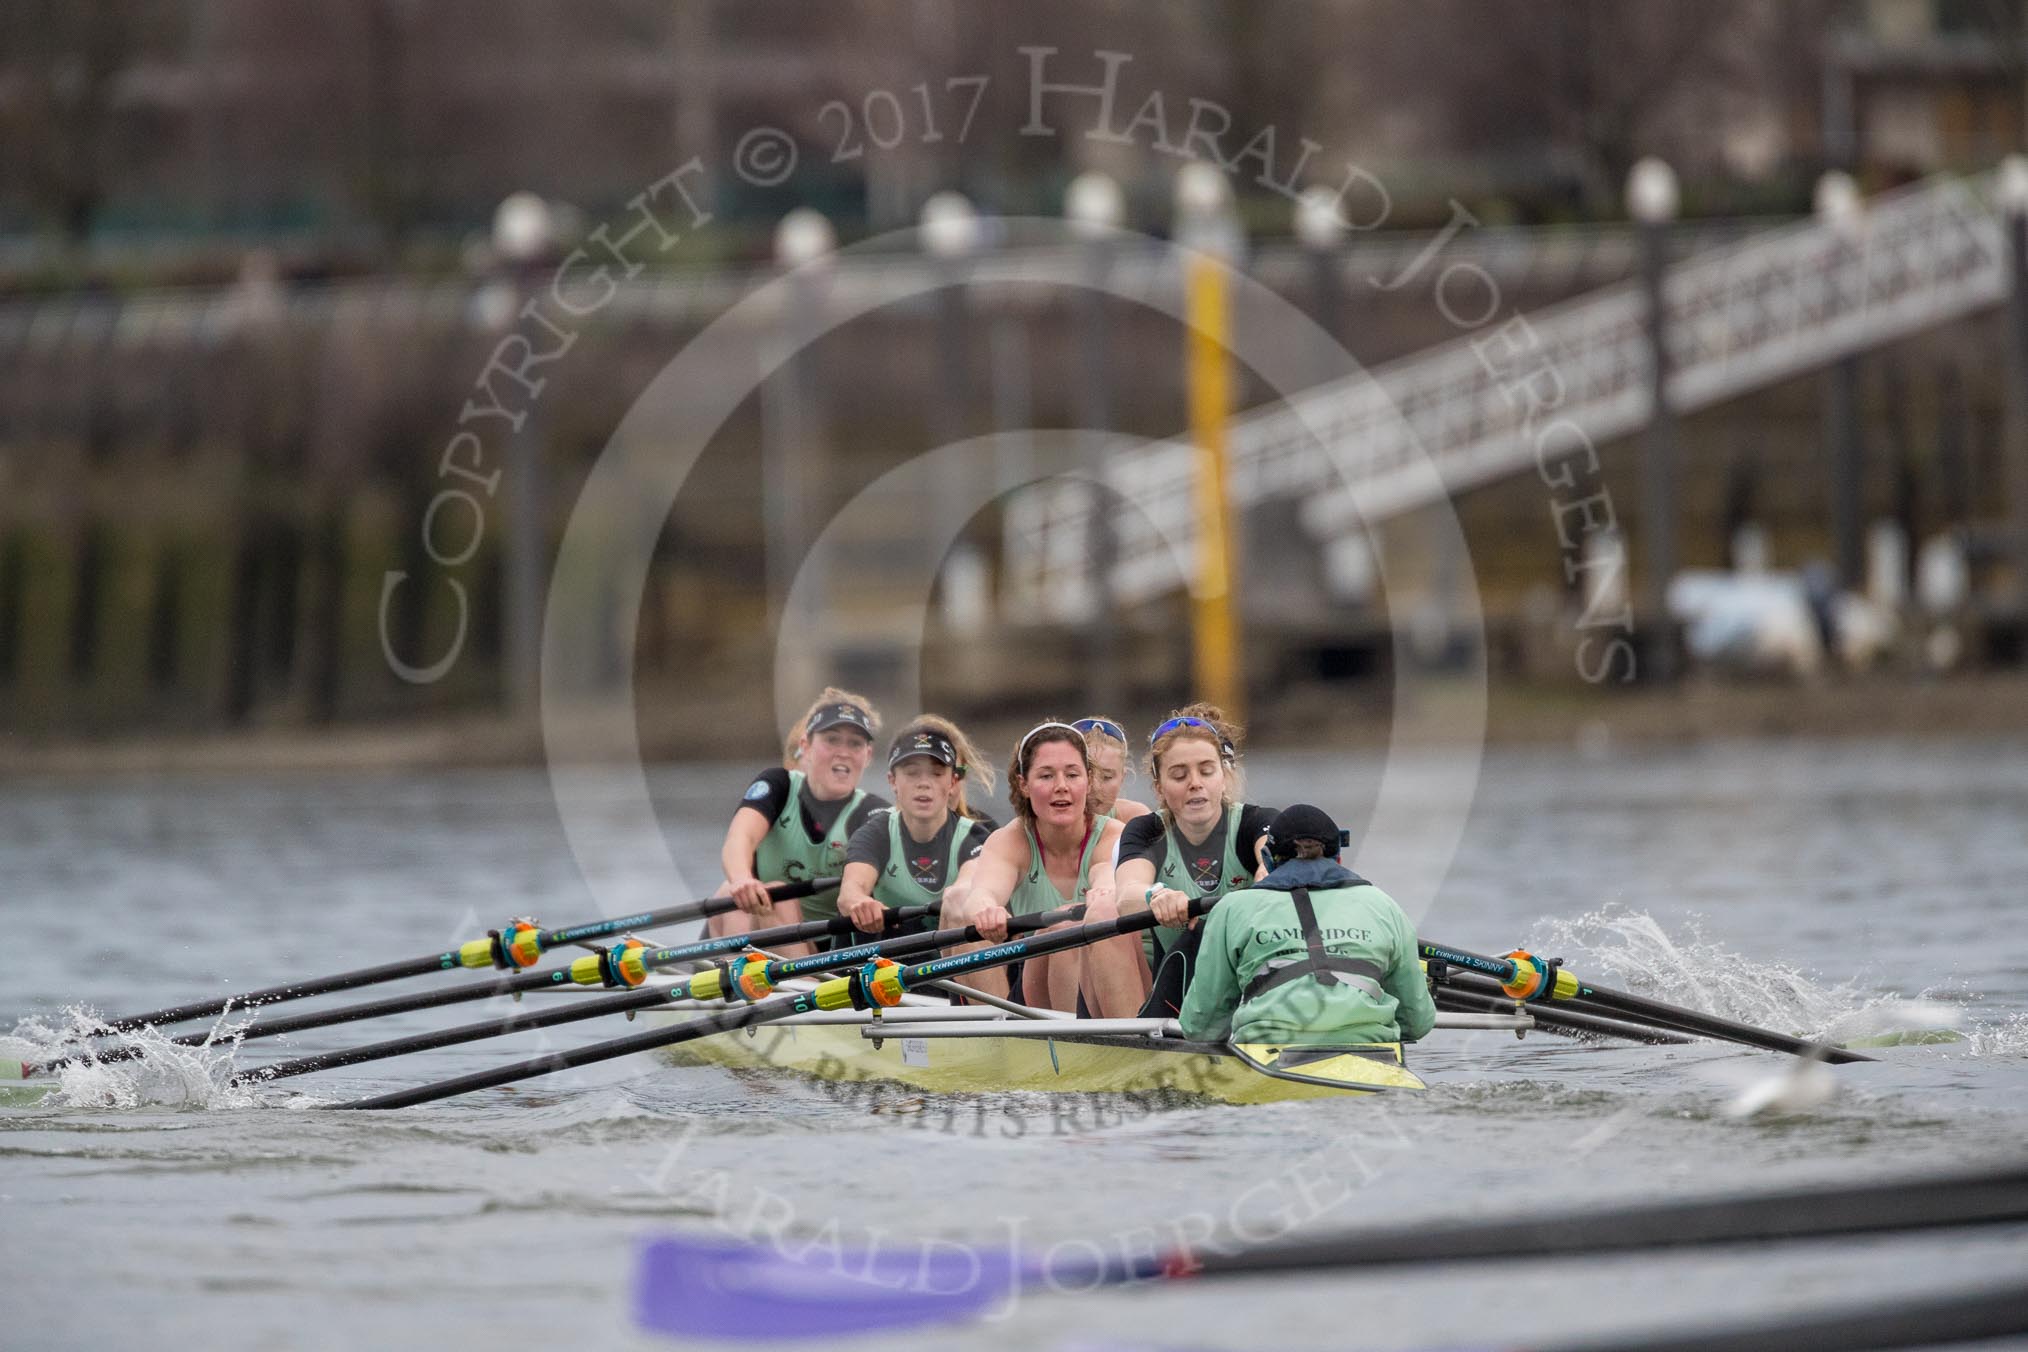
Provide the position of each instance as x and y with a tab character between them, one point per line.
162	1075
1694	972
2009	1037
1630	949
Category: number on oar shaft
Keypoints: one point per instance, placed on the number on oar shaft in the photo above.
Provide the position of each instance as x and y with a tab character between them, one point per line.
451	960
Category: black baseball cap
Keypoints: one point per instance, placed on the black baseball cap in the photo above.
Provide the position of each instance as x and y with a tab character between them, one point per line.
1303	822
923	743
840	715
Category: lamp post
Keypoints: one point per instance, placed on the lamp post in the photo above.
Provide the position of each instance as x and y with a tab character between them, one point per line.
951	234
2014	202
1096	209
1205	226
523	235
1321	231
1838	206
1653	201
794	463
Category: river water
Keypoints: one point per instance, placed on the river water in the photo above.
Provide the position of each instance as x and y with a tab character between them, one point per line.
1796	884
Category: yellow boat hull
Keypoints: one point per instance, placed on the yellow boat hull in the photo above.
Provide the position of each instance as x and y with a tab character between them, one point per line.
1068	1063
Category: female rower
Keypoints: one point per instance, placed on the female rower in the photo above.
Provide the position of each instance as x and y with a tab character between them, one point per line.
1202	840
1107	742
1055	853
794	823
925	847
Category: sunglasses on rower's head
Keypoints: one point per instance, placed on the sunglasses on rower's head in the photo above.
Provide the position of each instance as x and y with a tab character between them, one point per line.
1225	748
1105	727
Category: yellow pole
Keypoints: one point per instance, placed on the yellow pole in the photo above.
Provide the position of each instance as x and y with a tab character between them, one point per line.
1214	627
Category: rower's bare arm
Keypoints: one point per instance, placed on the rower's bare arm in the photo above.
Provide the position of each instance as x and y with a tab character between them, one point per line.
856	901
980	895
1260	857
959	888
995	875
742	838
1101	901
1131	881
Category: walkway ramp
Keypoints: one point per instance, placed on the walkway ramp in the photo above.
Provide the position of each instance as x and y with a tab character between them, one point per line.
1443	421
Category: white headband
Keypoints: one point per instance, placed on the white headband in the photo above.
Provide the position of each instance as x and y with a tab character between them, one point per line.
1021	751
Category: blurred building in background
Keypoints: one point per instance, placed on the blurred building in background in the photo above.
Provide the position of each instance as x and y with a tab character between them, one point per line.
250	269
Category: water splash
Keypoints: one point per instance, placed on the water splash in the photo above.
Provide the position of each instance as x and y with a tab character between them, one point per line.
1632	950
2006	1038
158	1073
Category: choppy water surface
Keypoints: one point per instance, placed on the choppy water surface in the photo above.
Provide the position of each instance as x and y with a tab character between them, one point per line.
1795	885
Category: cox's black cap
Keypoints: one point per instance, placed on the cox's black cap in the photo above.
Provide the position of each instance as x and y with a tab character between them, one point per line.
840	715
1303	822
932	744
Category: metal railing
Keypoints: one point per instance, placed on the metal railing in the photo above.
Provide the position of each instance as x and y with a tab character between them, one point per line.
1407	433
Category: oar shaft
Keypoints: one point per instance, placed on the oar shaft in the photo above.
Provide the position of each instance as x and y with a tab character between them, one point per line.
1557	1020
768	938
519	1022
1713	1026
577	1010
1928	1320
1626	1004
1990	1198
450	960
740	1016
556	978
295	990
782	1007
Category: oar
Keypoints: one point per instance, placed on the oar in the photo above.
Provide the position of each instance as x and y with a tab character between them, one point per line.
719	1288
872	985
1559	1021
1465	983
1528	978
521	944
727	981
1932	1319
625	964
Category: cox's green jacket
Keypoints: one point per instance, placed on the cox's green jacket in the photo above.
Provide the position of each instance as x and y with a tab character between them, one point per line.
1256	929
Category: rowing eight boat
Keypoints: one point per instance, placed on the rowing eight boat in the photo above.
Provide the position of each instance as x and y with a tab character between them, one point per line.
940	1048
929	1045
